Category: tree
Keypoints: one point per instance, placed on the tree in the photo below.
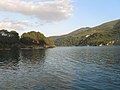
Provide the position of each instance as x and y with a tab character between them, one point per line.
35	38
8	39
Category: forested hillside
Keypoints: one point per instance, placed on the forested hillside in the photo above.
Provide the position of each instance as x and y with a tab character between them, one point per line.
11	40
8	39
35	39
106	34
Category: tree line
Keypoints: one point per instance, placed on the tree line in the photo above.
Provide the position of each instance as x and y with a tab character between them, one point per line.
11	39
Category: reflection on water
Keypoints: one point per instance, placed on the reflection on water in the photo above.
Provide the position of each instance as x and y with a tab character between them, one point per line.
32	56
9	59
63	68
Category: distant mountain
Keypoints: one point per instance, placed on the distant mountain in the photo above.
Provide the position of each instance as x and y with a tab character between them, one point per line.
106	34
78	32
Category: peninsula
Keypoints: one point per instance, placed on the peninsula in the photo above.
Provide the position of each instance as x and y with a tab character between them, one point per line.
29	40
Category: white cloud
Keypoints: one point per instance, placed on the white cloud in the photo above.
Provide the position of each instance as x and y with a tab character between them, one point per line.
13	25
47	10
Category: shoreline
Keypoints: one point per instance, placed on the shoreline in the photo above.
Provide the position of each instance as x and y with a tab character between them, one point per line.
28	48
42	48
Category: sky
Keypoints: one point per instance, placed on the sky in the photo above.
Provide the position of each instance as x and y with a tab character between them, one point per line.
56	17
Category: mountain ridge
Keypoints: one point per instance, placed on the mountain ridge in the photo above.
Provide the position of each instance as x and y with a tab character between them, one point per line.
105	34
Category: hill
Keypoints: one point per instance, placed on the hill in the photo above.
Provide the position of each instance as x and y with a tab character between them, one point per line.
8	39
35	40
11	40
106	34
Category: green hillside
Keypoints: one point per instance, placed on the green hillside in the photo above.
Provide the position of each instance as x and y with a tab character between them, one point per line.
11	40
35	39
106	34
8	39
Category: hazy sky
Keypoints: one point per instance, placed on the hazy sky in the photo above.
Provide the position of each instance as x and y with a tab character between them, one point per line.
56	17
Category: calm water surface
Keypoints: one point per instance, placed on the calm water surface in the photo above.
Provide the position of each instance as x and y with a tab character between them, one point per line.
62	68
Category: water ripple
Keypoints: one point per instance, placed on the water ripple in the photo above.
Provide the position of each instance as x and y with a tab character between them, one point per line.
62	68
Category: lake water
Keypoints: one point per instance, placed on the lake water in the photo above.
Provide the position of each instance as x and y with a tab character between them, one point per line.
61	68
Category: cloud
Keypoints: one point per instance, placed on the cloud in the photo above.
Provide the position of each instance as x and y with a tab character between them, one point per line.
47	10
13	25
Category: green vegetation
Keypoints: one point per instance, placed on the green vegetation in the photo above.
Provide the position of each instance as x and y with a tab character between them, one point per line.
8	39
106	34
11	40
35	39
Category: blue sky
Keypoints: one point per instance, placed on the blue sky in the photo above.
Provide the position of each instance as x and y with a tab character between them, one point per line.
56	17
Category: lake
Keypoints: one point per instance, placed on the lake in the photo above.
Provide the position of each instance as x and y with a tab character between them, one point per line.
61	68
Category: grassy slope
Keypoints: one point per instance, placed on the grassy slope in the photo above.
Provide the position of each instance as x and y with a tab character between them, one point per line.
105	34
